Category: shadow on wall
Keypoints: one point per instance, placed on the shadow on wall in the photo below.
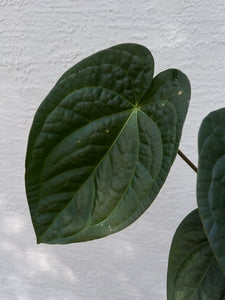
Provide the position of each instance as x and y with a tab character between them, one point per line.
101	269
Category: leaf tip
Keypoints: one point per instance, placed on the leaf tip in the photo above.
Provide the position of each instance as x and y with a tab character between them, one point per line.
38	240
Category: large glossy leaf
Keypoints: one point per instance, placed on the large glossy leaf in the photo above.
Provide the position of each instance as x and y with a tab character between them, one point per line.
102	143
211	181
193	272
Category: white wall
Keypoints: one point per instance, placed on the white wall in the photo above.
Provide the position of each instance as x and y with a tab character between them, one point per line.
39	40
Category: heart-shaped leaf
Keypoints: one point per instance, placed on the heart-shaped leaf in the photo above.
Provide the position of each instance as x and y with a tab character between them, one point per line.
193	272
211	181
102	144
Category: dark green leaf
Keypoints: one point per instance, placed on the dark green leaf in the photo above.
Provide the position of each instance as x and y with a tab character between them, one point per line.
102	144
193	272
211	181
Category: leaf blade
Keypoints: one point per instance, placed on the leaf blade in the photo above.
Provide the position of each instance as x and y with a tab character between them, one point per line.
193	272
97	156
210	181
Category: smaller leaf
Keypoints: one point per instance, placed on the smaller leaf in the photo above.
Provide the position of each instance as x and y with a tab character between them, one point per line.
193	272
211	181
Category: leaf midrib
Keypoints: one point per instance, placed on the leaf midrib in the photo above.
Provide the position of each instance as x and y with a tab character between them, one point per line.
203	277
96	224
42	235
201	245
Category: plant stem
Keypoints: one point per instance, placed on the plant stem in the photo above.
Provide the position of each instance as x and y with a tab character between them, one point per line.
184	157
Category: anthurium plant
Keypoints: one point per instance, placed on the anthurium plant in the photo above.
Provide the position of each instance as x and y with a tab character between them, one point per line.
100	148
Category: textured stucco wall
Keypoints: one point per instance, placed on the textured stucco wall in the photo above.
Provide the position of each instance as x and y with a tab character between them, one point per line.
39	40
